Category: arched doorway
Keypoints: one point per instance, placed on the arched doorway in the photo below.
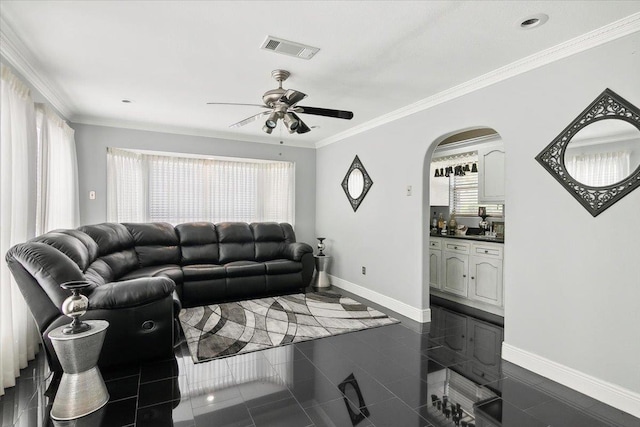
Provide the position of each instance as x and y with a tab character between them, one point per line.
465	258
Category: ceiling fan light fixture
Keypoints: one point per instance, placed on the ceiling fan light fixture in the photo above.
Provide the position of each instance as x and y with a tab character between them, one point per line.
267	129
272	121
290	122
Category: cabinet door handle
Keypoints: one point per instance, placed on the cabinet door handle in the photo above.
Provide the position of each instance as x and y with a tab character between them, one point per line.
486	252
472	277
455	247
464	275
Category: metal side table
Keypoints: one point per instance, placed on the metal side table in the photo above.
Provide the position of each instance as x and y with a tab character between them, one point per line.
82	389
320	278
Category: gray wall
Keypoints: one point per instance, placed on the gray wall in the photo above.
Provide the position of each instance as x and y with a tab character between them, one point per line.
572	282
92	142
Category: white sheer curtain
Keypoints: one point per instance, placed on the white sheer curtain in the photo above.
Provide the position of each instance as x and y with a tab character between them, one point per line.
599	169
58	204
174	189
126	187
18	335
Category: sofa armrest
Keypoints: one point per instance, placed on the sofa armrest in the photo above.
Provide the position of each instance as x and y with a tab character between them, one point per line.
295	251
130	293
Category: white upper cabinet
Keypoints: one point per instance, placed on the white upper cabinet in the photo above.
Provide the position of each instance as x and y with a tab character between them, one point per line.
438	189
491	174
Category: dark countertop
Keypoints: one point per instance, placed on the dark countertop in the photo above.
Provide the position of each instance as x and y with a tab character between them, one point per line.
472	237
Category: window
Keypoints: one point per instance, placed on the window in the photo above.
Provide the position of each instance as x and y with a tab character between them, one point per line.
599	169
463	195
145	187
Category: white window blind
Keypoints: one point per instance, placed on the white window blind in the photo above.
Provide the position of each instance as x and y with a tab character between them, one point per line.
148	187
463	195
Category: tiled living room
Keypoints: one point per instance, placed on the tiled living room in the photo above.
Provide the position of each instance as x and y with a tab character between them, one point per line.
447	237
398	369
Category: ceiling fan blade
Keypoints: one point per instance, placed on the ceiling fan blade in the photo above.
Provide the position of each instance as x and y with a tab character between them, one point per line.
293	96
302	127
338	114
234	103
250	119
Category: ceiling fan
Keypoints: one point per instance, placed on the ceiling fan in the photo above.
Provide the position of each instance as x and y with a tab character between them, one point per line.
283	104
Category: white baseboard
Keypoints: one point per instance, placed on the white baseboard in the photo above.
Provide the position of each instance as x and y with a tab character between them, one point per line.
611	394
413	313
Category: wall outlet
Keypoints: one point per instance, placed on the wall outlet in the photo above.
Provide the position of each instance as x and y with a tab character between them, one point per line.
408	190
92	195
364	270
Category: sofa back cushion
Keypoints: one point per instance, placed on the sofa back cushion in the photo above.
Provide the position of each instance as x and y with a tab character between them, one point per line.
236	242
116	253
270	240
199	243
156	243
75	244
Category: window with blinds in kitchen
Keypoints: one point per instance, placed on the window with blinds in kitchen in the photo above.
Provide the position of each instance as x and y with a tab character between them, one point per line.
463	196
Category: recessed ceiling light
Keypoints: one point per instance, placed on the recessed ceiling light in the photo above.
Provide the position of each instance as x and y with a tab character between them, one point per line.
127	101
534	21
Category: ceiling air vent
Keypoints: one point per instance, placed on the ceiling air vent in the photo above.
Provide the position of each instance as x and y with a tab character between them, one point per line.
287	47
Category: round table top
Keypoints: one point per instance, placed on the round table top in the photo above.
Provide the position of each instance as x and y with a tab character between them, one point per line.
97	326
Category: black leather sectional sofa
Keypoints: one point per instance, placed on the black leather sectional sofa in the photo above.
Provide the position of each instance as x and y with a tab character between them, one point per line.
142	274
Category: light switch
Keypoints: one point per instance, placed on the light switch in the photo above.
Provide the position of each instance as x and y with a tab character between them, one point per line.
92	195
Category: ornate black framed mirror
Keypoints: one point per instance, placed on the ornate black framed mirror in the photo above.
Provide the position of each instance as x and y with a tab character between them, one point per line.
356	183
597	157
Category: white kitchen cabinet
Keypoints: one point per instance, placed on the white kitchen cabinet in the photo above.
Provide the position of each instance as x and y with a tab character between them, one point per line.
467	271
485	280
455	268
491	162
435	268
438	189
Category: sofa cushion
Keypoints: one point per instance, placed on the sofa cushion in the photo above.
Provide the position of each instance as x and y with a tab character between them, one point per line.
110	237
203	272
156	243
75	244
199	243
173	272
269	240
236	242
282	266
245	269
116	256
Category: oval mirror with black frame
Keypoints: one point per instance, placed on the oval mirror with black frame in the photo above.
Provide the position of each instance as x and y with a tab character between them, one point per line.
597	157
356	183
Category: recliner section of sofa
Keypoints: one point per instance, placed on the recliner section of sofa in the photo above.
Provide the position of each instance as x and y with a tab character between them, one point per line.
141	274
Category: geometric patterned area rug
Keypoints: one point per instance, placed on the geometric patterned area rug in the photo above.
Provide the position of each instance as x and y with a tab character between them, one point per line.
239	327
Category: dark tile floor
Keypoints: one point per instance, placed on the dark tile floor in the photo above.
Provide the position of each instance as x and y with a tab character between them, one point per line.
446	373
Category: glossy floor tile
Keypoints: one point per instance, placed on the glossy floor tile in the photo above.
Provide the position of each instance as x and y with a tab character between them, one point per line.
401	375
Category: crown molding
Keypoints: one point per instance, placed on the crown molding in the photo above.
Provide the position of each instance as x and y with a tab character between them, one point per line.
179	130
610	32
14	51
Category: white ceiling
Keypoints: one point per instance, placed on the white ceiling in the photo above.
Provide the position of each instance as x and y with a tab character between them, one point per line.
171	57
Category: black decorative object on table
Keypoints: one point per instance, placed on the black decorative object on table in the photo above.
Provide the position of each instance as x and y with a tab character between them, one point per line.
609	107
321	246
75	306
82	390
